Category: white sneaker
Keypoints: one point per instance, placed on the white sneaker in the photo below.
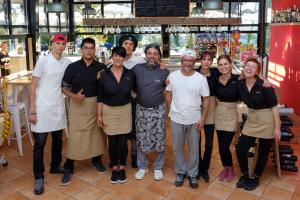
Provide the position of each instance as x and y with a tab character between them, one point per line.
140	174
158	175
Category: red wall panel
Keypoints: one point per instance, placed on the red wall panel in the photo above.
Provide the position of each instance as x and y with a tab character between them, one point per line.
284	61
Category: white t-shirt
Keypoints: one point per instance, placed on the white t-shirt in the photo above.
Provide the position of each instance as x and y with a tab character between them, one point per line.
186	96
134	60
50	106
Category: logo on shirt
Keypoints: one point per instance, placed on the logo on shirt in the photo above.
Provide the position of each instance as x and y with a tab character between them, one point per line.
157	81
127	78
257	92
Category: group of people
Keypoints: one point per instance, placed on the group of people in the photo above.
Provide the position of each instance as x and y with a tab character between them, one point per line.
130	99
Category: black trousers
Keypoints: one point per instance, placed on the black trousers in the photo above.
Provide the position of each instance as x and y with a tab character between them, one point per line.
225	139
204	161
38	152
69	164
242	147
117	149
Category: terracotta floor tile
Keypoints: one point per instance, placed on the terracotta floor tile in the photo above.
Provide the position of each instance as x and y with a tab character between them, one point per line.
297	189
163	187
21	182
148	180
218	190
274	193
104	184
28	191
206	197
9	173
90	176
5	191
184	193
126	190
16	196
89	193
110	197
284	183
266	177
53	195
75	186
147	195
241	195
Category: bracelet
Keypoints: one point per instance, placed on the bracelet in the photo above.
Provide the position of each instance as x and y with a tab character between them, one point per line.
32	113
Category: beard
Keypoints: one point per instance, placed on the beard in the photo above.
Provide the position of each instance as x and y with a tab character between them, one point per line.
152	64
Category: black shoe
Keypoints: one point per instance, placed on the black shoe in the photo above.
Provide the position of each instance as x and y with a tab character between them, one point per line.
243	180
252	184
114	177
39	186
99	166
193	182
65	180
179	180
205	176
133	161
58	170
122	176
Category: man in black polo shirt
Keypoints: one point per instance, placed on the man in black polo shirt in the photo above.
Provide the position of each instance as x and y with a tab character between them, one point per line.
79	83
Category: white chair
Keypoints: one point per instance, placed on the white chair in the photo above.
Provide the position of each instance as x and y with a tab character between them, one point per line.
15	109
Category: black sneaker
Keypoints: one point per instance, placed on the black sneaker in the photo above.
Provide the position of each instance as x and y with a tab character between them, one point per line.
114	177
122	176
100	167
179	180
243	180
133	161
252	184
205	176
193	182
39	186
65	180
58	170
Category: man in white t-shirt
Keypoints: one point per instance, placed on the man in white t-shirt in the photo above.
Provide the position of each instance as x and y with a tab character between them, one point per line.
47	109
185	90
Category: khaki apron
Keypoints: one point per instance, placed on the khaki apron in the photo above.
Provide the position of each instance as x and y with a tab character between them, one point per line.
211	111
226	116
260	124
85	139
117	119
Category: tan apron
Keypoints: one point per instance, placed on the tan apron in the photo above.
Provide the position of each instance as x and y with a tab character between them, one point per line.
260	124
211	111
117	119
85	139
226	116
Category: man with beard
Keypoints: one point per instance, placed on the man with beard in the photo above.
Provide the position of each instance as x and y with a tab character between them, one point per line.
184	92
150	112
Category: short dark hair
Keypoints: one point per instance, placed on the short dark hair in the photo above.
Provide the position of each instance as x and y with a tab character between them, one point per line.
89	41
120	51
154	46
128	37
206	54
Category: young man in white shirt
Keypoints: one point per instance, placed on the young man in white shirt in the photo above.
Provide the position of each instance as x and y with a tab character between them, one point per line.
47	109
185	90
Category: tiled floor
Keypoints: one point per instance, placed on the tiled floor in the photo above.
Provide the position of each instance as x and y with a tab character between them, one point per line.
16	181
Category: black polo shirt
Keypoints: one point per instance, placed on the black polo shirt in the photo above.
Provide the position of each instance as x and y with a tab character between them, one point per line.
211	80
4	58
80	76
112	93
228	92
259	97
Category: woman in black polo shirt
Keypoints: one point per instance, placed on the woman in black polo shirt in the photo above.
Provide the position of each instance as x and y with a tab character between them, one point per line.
226	91
263	122
114	111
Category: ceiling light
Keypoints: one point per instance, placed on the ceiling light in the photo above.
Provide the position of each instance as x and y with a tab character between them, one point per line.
213	5
56	7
